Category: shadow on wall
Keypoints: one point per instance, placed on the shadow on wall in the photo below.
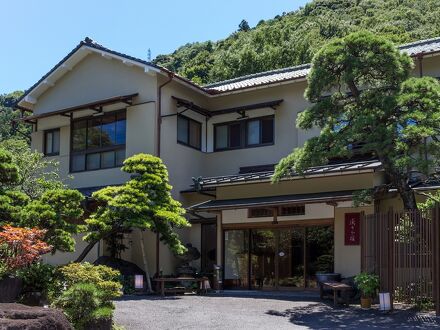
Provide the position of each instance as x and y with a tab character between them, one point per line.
321	316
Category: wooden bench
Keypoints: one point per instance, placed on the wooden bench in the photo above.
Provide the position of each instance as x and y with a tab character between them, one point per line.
335	287
162	280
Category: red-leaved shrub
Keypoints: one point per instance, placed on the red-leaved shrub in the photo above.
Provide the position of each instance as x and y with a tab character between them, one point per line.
20	247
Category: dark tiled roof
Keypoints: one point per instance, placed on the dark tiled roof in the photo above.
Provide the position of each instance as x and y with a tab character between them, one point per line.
271	200
262	78
249	81
422	47
301	71
265	176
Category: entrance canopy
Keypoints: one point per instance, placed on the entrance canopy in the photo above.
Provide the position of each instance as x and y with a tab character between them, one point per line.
216	205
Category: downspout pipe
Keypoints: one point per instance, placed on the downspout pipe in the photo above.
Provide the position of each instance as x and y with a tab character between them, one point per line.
420	60
158	144
159	112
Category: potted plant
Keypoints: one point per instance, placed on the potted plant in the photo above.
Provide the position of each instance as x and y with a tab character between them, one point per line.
368	284
19	248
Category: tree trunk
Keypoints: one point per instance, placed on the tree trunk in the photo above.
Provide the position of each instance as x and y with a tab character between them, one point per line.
400	181
86	251
407	195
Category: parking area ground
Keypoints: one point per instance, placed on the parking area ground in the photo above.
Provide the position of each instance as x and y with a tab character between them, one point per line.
232	311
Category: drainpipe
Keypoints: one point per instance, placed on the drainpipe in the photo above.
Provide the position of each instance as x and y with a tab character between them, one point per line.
158	132
420	59
159	112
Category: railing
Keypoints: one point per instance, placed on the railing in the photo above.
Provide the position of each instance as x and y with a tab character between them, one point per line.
403	248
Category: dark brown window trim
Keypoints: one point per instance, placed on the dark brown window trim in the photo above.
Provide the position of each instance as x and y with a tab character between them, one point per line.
45	141
279	209
250	215
86	152
243	133
188	132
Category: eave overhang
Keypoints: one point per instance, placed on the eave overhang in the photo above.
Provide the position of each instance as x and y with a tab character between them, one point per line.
272	201
95	106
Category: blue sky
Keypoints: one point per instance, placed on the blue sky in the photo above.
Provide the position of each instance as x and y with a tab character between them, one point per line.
37	34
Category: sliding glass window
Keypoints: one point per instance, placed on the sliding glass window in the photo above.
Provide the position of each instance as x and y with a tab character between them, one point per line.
189	132
244	134
98	142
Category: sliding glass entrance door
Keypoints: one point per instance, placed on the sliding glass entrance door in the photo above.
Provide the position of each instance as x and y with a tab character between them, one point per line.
281	258
291	258
263	258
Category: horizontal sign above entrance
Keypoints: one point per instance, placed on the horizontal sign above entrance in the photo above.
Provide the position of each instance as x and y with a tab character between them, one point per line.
352	228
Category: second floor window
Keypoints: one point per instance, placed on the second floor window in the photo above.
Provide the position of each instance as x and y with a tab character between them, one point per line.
242	134
189	132
52	142
98	142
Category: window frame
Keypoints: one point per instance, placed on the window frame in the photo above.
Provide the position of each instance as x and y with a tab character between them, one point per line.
99	150
279	209
244	132
51	131
188	132
253	216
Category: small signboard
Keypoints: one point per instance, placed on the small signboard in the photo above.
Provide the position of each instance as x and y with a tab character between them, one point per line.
352	228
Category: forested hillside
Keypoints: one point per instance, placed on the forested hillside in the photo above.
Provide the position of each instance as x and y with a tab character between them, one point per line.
8	129
292	38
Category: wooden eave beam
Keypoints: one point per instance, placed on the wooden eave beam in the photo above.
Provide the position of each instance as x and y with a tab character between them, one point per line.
240	110
96	106
248	107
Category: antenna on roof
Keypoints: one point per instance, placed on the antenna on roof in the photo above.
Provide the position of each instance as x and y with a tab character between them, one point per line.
149	55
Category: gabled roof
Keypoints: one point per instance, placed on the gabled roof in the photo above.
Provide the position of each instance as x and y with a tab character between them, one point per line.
279	76
331	169
77	54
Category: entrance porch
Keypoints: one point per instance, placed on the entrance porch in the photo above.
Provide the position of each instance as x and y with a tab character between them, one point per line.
281	242
270	258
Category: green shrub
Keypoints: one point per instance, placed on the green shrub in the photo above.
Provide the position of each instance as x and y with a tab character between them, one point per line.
368	284
37	277
127	282
104	278
81	304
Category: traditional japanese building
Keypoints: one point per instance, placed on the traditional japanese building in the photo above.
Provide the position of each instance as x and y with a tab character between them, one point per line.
220	143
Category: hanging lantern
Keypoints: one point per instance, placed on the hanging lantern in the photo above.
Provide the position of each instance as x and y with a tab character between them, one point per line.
385	301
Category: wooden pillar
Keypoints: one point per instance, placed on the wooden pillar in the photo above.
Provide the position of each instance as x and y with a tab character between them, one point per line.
435	253
390	255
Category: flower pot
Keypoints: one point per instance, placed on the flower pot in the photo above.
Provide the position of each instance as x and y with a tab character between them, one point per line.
10	288
366	302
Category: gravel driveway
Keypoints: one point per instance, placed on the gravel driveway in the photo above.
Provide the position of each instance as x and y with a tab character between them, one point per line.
257	312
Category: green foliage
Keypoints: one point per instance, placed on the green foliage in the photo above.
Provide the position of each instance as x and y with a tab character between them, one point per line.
243	26
36	173
368	284
4	270
32	195
10	126
294	38
127	282
372	101
144	202
9	172
58	212
82	303
104	278
37	277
